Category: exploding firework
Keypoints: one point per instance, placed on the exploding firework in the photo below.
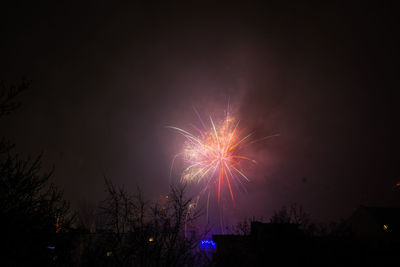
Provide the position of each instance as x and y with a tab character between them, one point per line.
214	156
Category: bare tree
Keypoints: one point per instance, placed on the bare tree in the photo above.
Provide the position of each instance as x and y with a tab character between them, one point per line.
87	216
294	214
243	227
33	211
8	96
8	104
144	233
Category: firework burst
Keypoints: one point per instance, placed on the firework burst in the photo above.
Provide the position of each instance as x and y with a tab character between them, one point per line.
214	156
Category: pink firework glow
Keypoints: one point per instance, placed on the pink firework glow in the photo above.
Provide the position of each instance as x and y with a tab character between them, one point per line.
214	156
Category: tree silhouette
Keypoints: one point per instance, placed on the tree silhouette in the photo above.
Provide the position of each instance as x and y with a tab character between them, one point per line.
9	95
294	214
32	209
144	233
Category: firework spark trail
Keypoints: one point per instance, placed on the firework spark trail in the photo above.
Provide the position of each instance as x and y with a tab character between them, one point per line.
214	156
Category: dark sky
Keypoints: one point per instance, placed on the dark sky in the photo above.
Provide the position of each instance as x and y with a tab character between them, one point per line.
108	78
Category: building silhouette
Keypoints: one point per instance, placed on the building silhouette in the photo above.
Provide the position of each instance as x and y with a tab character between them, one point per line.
369	237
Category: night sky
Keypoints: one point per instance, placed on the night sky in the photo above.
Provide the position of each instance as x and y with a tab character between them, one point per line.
107	79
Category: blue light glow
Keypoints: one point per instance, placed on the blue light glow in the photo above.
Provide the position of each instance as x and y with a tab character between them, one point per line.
52	248
208	244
